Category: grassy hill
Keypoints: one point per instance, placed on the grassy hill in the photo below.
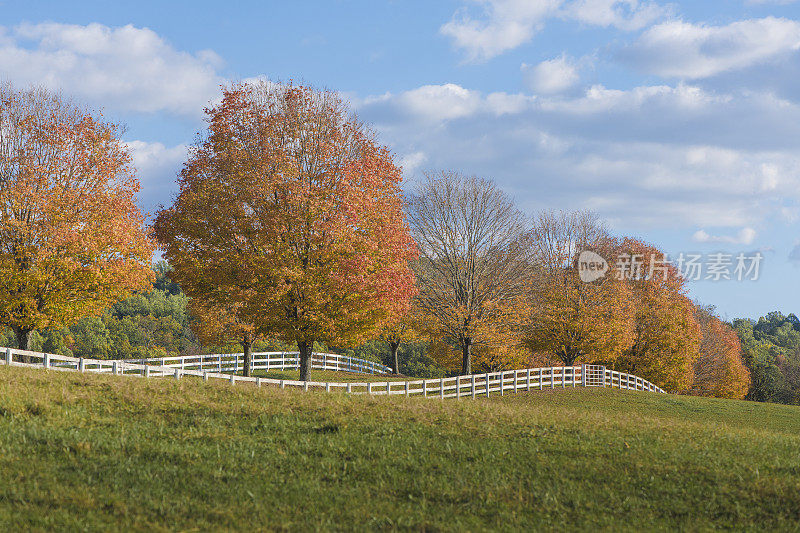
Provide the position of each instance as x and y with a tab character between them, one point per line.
103	452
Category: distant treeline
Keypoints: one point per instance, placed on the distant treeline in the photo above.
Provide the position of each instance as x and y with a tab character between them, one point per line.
771	348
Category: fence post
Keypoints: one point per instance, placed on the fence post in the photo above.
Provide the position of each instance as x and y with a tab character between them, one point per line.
205	375
516	374
114	368
233	379
583	375
458	387
9	356
349	387
147	371
406	388
472	386
177	373
441	389
487	384
502	382
369	388
282	384
258	383
46	361
81	365
604	377
541	379
424	388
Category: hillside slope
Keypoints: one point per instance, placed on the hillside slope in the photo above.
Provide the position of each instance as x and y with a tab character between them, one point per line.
103	452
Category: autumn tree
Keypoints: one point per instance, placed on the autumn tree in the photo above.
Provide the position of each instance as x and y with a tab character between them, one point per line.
666	333
497	344
72	240
573	319
291	214
403	324
501	346
719	368
214	324
472	258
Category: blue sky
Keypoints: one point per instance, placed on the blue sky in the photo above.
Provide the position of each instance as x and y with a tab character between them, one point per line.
678	122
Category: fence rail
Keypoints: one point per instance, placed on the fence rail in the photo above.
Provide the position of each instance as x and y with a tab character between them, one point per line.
471	386
234	362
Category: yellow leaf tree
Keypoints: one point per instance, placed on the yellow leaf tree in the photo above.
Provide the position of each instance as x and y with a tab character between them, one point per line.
72	240
568	317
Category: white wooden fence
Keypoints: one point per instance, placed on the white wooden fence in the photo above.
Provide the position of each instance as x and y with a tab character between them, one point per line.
234	362
472	386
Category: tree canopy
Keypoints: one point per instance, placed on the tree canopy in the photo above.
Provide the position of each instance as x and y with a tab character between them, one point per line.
290	217
72	239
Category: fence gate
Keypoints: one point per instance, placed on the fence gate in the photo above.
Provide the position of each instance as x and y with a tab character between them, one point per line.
593	375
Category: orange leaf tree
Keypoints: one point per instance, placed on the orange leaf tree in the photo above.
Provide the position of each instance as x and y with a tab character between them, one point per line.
719	369
666	333
290	215
72	240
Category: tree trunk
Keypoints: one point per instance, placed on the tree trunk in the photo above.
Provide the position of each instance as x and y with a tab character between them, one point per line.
395	360
466	361
568	356
306	350
23	338
24	341
247	347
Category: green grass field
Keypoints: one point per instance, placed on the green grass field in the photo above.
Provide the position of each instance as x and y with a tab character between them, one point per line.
98	452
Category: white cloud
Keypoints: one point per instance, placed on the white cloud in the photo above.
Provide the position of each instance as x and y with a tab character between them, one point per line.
411	162
157	167
629	15
744	236
643	157
598	98
551	76
503	25
683	50
508	104
127	68
441	102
